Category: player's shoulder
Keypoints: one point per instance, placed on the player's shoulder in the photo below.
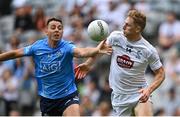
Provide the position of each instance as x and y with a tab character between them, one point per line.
66	44
116	37
35	45
116	33
40	41
65	41
149	47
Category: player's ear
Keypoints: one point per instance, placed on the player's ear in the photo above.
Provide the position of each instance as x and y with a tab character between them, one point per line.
45	31
138	29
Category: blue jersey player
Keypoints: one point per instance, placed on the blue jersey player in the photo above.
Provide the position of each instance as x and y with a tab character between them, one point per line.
53	58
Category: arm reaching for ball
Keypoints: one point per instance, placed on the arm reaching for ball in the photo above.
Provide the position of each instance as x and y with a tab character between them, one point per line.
83	69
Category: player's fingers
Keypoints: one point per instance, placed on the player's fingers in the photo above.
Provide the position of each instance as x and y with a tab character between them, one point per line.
75	68
104	41
144	100
109	46
84	75
80	75
108	53
144	97
141	90
76	73
141	96
110	50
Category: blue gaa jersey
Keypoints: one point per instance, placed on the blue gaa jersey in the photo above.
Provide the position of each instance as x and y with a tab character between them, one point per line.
53	68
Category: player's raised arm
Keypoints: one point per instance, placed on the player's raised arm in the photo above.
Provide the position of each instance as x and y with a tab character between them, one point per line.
12	54
82	70
89	51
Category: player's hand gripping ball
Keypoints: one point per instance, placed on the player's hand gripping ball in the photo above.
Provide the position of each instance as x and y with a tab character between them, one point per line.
98	30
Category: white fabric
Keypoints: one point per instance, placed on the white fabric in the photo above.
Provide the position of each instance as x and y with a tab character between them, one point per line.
123	105
129	62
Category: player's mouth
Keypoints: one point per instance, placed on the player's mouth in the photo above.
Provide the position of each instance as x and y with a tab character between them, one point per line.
56	35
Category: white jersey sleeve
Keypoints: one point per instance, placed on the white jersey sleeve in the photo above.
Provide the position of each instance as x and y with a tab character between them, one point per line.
115	35
154	60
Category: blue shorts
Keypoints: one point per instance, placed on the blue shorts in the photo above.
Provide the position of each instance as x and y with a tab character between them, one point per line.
56	107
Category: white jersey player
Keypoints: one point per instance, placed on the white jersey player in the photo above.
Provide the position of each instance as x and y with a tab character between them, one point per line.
128	64
130	58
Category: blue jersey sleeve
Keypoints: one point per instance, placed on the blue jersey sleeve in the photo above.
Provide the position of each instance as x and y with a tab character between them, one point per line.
28	50
71	47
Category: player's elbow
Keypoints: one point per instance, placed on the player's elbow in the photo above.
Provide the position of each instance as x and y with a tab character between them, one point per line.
78	53
160	74
17	53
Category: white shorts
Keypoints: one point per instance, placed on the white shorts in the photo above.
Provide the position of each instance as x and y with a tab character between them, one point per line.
124	104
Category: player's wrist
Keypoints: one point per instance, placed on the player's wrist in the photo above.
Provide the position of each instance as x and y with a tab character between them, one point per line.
98	50
150	89
89	62
86	63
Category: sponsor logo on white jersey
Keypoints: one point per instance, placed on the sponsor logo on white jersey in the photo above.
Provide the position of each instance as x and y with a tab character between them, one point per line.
124	61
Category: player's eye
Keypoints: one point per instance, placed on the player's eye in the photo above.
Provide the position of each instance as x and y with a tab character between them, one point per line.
53	27
60	27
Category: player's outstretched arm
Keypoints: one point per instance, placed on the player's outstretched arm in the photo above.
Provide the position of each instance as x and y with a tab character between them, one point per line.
12	54
82	70
90	52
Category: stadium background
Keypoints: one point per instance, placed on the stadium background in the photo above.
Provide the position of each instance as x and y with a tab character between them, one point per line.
22	22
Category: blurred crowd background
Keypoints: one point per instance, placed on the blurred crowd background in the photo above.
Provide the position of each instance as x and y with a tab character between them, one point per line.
23	21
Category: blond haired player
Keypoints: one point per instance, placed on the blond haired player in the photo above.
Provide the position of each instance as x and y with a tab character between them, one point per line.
130	58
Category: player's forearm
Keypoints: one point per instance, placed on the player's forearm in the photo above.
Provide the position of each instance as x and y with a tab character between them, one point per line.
86	52
90	52
10	55
91	60
159	78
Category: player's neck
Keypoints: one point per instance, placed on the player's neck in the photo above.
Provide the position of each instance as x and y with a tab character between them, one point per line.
52	43
134	38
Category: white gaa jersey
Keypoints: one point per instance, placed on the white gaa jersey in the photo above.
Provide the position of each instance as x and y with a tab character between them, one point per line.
129	62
